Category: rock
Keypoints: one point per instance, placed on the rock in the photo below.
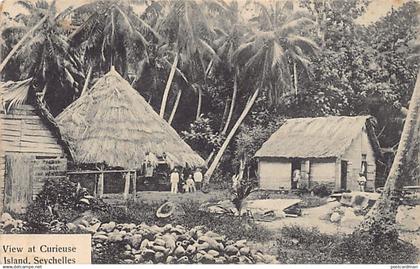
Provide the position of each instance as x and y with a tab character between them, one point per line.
231	250
115	237
135	240
240	244
93	228
233	259
191	249
213	253
108	227
71	227
245	250
159	248
170	260
148	254
128	261
100	237
408	218
220	260
203	246
159	242
183	260
349	219
129	227
179	251
144	244
159	257
5	217
335	217
205	239
84	223
169	241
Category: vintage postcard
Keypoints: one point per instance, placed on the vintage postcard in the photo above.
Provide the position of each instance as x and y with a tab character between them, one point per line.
209	132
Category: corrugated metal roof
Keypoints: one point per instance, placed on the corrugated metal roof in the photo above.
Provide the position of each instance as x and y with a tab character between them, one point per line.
320	137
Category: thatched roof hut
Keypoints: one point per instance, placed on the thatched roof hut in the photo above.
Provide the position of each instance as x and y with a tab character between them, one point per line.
333	151
112	123
320	137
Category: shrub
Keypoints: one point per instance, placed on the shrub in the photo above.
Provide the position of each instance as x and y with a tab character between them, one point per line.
321	190
308	245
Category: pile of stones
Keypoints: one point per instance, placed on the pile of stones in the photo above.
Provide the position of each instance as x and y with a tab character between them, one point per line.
10	225
169	244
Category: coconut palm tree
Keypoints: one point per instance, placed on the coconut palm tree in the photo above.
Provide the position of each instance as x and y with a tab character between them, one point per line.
188	33
265	57
380	221
112	34
46	56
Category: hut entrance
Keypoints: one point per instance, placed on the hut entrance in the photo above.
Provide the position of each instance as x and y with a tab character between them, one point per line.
295	173
343	178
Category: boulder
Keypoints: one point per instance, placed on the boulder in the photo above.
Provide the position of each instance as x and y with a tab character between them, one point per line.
115	237
135	241
335	217
108	227
349	219
5	217
408	218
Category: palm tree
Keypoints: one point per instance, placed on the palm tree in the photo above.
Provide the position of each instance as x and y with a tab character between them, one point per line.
380	221
111	34
265	58
47	57
188	32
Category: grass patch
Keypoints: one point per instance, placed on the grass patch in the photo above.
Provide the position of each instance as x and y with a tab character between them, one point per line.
298	245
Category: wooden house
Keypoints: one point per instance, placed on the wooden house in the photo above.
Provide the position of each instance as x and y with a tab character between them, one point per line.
326	150
31	147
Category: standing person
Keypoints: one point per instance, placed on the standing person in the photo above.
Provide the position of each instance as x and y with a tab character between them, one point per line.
362	182
198	178
190	184
296	178
174	181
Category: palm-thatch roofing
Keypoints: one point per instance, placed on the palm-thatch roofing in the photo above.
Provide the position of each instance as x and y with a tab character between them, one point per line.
321	137
15	93
112	123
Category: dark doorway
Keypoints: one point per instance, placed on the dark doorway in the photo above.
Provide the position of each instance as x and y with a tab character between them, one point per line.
343	178
296	165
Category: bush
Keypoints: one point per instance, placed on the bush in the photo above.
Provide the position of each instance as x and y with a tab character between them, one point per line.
321	190
60	200
308	245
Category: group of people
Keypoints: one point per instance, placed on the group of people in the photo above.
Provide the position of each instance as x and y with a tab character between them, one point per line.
191	183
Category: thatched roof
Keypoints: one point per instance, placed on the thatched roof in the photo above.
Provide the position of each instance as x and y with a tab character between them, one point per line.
321	137
112	123
15	93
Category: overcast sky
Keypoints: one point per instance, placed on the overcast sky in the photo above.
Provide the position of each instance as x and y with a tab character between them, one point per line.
376	9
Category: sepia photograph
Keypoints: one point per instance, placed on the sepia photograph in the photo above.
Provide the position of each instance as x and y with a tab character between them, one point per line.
209	132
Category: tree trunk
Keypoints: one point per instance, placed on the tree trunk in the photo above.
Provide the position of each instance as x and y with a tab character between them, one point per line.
168	86
232	104
178	97
200	99
20	43
295	77
232	132
225	114
85	86
380	221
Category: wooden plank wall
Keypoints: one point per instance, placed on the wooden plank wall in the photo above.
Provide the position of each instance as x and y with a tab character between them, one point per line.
23	131
47	169
18	183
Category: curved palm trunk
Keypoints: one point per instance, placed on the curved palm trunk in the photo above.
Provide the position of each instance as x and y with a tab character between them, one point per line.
232	132
178	97
381	218
295	77
85	86
200	99
168	86
20	43
232	104
225	114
